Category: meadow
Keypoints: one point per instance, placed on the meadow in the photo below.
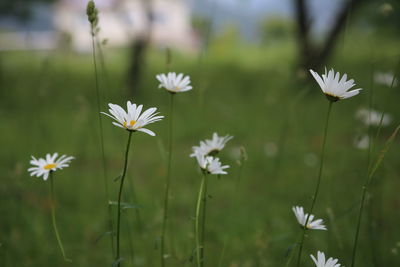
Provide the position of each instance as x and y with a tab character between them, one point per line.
252	92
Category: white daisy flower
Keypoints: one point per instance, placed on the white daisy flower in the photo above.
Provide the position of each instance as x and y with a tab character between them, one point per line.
210	164
174	83
133	120
302	218
371	117
213	146
320	261
42	167
334	87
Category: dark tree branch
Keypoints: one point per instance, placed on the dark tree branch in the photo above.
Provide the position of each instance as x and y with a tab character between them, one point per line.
303	28
311	56
331	40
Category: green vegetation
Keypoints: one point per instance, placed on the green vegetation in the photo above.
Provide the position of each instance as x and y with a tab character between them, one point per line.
48	104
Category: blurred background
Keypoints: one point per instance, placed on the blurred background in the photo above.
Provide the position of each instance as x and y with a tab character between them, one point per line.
248	61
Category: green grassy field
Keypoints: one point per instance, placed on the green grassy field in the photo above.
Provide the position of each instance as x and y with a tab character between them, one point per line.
48	104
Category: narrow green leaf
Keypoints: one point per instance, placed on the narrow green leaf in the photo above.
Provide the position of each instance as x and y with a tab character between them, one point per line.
382	154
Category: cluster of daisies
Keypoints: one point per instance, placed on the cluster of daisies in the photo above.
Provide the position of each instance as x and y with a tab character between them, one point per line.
206	152
306	220
133	119
335	88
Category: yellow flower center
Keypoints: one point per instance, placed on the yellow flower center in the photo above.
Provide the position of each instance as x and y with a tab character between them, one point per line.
50	166
131	123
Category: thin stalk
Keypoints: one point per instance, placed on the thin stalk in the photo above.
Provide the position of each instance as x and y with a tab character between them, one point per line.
103	157
318	182
197	222
104	70
168	179
364	191
119	197
364	188
53	217
235	200
139	223
290	256
130	226
203	221
368	179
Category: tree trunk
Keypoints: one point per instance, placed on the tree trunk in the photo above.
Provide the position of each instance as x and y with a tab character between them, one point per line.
331	40
303	27
311	56
138	53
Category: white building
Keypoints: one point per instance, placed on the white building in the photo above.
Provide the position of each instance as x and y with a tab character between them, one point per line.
121	21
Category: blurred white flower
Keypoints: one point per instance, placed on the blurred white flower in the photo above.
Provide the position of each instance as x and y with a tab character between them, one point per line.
174	83
43	166
210	164
385	79
320	261
301	218
213	146
133	120
372	117
386	9
361	142
334	87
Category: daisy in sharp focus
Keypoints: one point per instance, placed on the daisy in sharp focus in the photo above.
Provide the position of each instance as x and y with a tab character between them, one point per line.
210	164
213	146
174	83
133	119
302	218
43	166
320	261
334	87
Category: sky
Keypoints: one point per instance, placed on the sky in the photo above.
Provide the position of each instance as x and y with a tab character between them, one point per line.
246	14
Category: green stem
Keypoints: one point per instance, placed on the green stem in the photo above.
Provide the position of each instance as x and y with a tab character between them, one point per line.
360	212
53	217
318	182
119	197
364	188
168	179
103	158
129	229
290	256
203	223
197	222
235	200
104	71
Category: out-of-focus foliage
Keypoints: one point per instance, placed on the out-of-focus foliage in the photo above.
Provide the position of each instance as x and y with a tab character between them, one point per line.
382	16
202	26
242	89
229	36
276	29
20	8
